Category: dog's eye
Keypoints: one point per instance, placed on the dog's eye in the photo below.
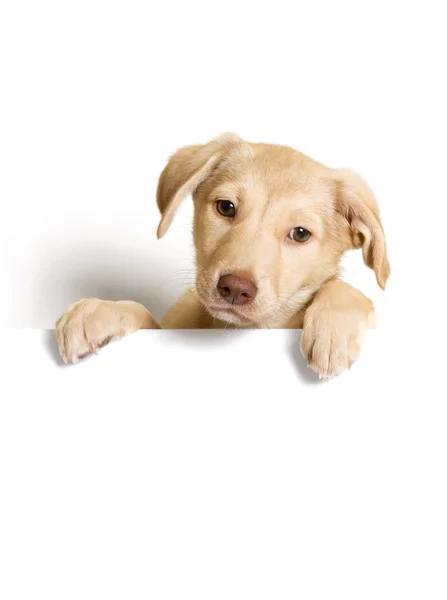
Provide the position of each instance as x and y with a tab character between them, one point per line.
226	208
299	234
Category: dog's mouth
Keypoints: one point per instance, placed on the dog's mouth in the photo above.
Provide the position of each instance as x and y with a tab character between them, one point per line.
228	313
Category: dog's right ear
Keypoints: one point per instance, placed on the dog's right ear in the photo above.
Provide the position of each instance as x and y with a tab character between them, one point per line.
186	169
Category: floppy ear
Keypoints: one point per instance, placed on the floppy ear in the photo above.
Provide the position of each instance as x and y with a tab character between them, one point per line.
186	169
356	202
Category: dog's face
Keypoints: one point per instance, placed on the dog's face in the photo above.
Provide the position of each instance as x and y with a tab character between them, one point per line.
263	219
270	226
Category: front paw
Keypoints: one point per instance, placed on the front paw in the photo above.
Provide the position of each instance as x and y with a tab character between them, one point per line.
332	340
88	325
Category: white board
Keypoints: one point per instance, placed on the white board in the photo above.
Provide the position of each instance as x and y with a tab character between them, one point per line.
214	465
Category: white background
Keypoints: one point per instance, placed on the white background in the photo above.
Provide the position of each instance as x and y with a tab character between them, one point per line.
94	97
97	95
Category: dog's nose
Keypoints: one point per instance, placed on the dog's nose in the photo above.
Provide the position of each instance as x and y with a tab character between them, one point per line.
236	290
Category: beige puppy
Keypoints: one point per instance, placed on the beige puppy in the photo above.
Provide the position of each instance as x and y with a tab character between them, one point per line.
270	228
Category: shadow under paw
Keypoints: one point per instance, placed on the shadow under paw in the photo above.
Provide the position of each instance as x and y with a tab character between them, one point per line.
306	373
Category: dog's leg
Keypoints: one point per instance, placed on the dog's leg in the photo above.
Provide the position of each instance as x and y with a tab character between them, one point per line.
334	327
90	324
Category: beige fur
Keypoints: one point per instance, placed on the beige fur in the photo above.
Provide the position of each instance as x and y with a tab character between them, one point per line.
274	189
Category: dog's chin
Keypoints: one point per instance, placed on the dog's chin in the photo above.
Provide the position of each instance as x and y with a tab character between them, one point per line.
230	315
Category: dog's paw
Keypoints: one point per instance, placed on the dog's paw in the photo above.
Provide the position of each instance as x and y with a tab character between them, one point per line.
88	325
332	340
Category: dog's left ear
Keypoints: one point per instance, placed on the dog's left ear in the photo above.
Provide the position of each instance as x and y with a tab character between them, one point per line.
185	170
356	202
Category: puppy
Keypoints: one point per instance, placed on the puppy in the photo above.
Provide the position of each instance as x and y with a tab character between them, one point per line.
270	228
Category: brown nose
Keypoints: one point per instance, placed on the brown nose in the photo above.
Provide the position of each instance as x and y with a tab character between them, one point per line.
236	290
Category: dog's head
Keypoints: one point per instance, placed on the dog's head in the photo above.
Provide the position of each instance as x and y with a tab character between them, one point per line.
270	225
